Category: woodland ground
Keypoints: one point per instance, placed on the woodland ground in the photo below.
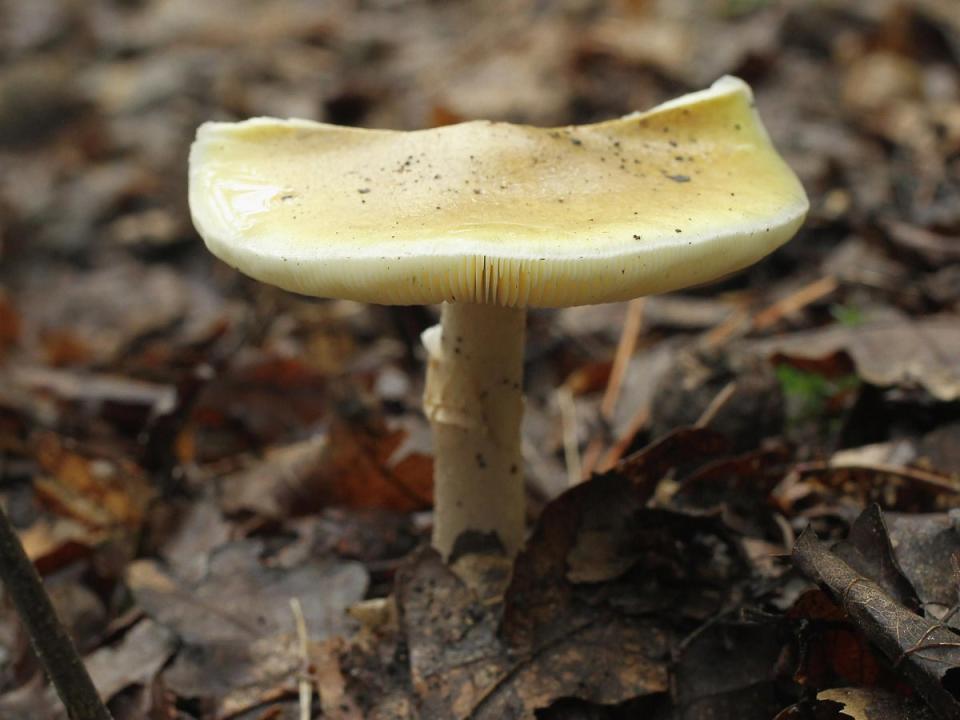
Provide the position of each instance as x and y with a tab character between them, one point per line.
185	451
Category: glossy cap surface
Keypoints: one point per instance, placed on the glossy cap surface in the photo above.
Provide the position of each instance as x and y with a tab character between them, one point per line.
498	213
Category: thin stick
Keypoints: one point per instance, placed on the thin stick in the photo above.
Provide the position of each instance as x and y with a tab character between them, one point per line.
613	455
625	349
795	302
737	324
591	456
306	690
50	640
719	400
571	448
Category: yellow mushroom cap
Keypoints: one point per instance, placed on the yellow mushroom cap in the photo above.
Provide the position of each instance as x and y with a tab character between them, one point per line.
492	212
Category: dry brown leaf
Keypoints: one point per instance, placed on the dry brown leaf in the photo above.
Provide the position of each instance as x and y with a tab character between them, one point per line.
460	668
923	652
919	352
335	702
110	308
354	466
275	485
99	493
53	544
239	647
136	659
873	704
363	471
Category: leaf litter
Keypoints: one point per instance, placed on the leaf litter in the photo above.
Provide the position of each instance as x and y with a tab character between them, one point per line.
184	451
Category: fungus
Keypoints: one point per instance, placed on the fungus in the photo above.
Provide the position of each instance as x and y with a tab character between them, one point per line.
393	217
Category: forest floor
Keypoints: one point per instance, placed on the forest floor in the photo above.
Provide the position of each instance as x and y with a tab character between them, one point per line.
227	488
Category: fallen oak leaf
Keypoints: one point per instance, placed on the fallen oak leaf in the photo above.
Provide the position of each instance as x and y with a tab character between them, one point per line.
926	653
256	400
454	652
366	469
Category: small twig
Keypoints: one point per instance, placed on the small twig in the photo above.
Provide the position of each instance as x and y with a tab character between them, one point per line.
625	348
49	638
719	400
795	302
737	324
571	448
616	451
591	456
304	686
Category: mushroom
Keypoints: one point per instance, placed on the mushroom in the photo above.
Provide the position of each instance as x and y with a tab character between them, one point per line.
490	219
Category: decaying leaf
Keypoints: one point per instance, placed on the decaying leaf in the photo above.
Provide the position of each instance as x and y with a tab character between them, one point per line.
97	492
730	669
892	487
870	704
235	624
833	652
258	401
277	483
593	611
54	543
924	546
9	322
738	488
600	530
136	659
858	704
153	299
925	652
354	465
869	551
460	668
116	398
906	353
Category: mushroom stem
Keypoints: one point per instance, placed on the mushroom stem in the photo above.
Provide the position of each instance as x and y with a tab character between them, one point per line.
474	401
